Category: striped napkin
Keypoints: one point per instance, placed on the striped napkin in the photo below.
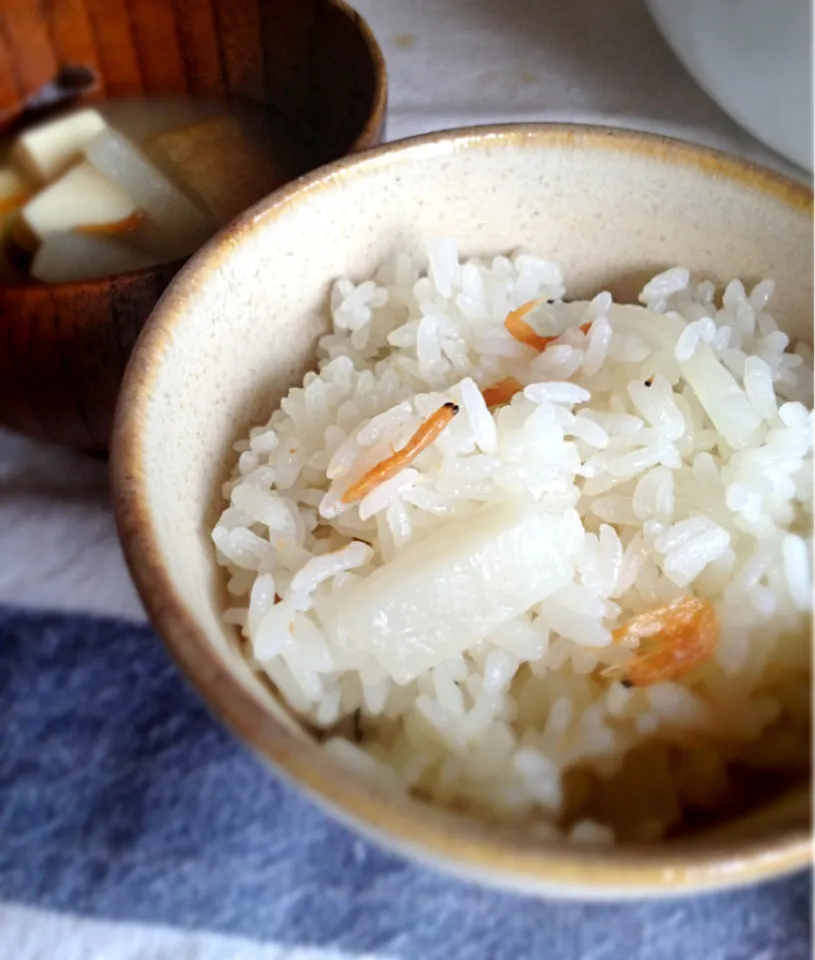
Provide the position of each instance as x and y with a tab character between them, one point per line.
131	826
122	800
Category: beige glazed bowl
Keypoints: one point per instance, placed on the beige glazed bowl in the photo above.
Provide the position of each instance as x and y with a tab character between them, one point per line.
238	328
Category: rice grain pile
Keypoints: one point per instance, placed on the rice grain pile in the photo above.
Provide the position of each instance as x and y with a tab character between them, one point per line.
459	628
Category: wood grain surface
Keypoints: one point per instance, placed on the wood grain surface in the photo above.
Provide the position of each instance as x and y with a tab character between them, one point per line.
63	348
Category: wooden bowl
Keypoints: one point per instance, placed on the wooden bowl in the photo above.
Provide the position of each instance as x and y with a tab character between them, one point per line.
587	195
63	347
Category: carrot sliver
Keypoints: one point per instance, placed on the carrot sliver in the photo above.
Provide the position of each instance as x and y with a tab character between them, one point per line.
127	225
520	330
7	204
501	392
390	466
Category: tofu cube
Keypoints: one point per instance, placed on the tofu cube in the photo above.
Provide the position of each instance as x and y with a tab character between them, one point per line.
82	199
49	149
227	168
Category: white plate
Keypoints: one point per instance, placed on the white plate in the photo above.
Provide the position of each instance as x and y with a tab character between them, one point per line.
754	58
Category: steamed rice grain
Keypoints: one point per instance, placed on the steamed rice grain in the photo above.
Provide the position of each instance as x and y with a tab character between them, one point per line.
460	616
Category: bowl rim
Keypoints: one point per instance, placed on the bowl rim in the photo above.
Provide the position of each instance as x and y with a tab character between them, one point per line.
365	138
426	833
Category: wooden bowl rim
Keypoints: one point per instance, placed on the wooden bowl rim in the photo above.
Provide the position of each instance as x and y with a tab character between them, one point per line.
365	138
430	834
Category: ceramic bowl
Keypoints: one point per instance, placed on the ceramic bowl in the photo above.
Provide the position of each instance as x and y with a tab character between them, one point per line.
63	347
238	327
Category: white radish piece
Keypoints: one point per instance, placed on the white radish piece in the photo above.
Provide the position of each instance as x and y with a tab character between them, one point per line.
181	226
451	589
69	257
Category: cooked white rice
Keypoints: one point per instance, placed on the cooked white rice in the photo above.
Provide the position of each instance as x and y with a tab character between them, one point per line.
666	452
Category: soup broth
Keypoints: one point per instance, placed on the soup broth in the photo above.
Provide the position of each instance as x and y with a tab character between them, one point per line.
95	191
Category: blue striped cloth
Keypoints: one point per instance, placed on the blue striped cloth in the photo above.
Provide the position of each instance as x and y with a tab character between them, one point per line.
121	798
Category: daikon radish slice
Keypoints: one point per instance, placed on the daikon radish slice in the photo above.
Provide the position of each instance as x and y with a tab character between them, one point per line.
450	590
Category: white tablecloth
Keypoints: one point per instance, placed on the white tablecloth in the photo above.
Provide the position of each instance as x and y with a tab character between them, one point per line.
451	62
